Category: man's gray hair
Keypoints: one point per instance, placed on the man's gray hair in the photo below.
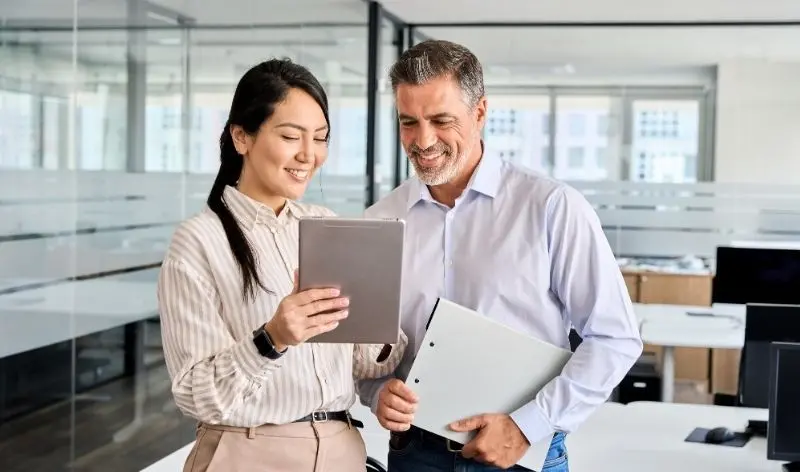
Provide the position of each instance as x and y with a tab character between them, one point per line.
433	59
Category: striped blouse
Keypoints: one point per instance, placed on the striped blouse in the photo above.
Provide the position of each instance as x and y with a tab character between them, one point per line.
217	374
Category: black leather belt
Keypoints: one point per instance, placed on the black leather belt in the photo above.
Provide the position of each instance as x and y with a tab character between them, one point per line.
325	416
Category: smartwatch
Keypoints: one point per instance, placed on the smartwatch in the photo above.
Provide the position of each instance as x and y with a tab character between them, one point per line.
264	344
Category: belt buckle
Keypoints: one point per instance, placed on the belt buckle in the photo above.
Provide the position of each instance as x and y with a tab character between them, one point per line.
450	447
319	417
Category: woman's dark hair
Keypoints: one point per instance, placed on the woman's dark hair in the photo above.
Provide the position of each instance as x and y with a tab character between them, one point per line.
258	93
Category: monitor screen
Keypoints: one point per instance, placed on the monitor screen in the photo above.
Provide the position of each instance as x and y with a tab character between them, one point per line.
756	275
783	441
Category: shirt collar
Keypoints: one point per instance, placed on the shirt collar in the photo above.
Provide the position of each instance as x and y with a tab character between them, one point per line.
251	212
485	180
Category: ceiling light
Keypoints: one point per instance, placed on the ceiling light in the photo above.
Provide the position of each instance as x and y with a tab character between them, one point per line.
163	18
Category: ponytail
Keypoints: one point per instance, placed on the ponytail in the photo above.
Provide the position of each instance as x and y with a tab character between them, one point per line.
229	170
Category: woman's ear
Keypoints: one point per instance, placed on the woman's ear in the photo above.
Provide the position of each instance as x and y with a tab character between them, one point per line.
241	140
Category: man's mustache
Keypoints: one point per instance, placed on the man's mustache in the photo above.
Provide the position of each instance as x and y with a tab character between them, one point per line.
438	148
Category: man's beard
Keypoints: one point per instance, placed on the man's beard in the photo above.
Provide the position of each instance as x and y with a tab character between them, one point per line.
452	163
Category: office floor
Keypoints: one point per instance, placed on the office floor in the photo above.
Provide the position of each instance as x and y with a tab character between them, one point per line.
42	441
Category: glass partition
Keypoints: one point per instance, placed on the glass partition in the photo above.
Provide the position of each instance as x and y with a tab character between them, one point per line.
110	117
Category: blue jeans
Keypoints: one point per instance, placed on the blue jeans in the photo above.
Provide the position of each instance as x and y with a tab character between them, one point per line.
422	456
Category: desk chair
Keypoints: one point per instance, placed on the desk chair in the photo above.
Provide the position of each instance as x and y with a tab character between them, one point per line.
373	465
725	399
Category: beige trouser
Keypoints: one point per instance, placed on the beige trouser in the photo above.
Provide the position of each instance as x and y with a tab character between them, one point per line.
332	446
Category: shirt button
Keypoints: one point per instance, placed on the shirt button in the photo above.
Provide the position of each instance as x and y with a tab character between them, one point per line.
450	262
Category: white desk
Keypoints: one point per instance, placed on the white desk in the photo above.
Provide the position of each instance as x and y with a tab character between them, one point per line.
669	326
35	318
617	438
649	436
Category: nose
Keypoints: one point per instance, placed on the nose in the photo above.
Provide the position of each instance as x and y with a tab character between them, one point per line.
426	136
307	152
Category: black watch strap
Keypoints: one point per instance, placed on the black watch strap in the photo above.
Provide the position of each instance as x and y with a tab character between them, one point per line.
264	344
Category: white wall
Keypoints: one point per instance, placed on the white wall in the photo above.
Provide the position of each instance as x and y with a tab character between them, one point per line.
758	122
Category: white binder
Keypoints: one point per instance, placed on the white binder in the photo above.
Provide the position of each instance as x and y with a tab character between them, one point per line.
469	364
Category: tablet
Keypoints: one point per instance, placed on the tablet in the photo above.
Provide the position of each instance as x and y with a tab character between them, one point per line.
364	259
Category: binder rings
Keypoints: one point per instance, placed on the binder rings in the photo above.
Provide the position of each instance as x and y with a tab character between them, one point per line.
469	364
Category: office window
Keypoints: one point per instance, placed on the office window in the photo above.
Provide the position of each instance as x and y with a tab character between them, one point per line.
575	157
602	125
666	137
501	121
546	157
577	125
601	157
164	156
170	118
17	130
599	125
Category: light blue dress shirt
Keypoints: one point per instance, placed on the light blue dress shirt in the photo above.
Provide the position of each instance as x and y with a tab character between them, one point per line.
529	252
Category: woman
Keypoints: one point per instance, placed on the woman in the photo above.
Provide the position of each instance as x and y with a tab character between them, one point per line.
234	325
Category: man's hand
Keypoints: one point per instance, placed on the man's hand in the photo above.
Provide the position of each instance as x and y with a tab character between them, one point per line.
396	406
499	441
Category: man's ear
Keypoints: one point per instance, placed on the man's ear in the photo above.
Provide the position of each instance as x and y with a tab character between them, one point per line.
481	112
241	140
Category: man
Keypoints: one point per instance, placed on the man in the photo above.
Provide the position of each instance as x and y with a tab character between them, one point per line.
518	247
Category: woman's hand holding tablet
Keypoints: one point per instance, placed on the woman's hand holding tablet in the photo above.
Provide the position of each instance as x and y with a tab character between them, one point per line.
305	314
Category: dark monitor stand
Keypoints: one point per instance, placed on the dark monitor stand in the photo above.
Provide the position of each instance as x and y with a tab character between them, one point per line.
757	428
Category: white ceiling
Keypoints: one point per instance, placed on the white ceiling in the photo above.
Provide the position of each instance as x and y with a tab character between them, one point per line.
422	11
510	54
624	47
269	11
450	11
234	12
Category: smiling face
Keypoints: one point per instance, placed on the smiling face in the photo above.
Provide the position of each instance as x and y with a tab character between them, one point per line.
281	158
439	130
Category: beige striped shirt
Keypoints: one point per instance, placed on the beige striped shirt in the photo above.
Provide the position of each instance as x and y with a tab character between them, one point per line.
217	374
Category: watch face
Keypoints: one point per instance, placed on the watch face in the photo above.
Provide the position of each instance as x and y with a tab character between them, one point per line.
264	344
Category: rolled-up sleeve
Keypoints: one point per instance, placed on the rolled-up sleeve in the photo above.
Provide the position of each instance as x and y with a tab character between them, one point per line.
586	278
368	362
212	373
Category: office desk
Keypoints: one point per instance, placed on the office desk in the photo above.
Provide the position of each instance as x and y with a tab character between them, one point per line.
644	436
649	436
669	326
35	318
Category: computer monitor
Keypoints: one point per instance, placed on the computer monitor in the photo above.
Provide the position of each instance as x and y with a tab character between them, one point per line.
783	431
756	275
764	325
